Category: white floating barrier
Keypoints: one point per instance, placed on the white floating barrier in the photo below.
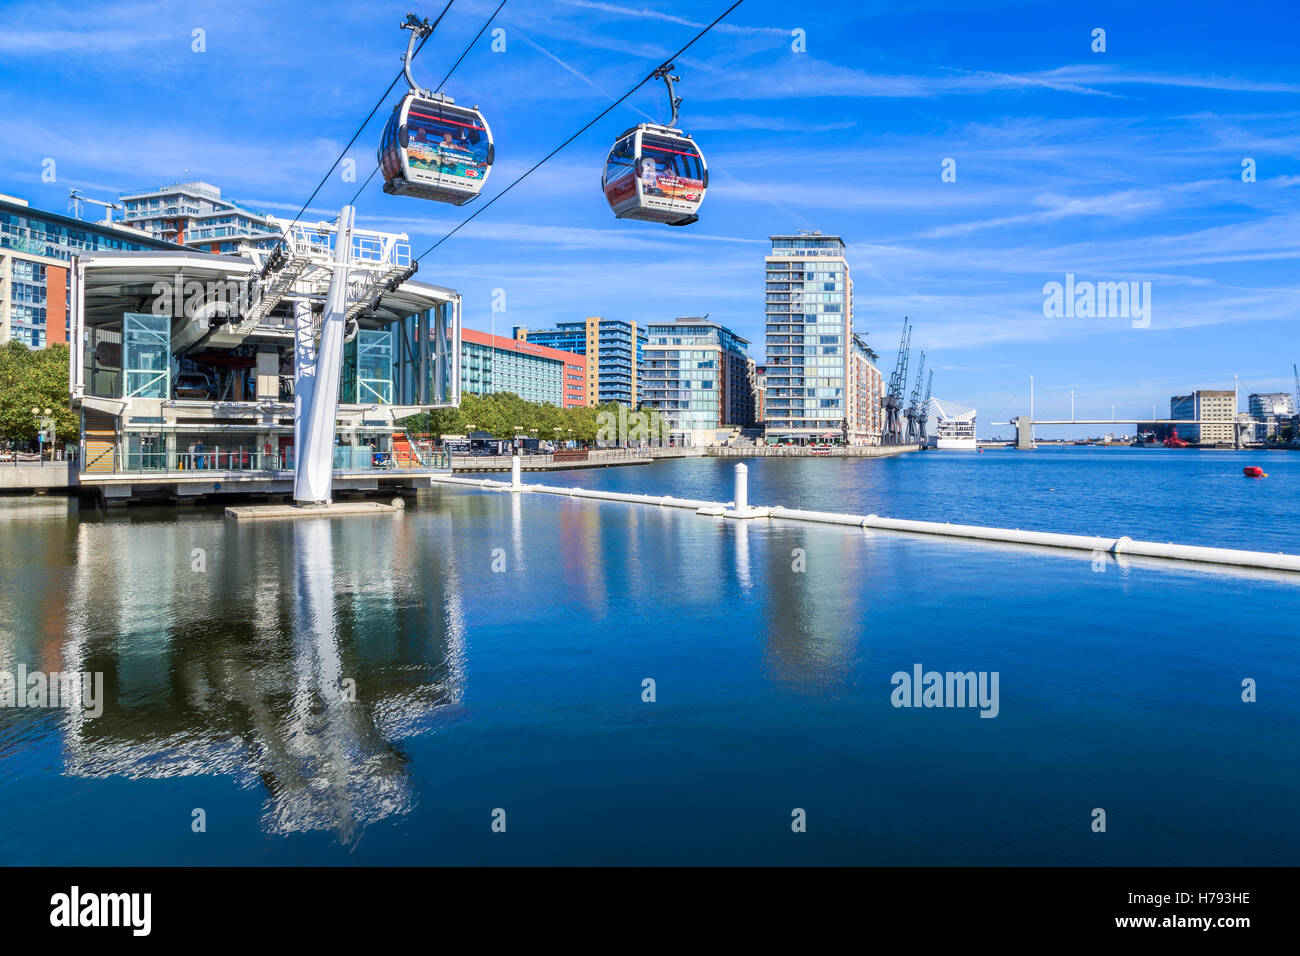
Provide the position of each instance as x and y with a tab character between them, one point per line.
1123	546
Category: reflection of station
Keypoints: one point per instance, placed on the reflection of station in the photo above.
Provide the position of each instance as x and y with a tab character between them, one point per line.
200	699
189	365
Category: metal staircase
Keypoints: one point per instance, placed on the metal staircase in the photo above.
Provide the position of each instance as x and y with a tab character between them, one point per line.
99	431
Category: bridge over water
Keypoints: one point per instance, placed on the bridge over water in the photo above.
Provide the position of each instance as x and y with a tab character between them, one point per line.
1025	425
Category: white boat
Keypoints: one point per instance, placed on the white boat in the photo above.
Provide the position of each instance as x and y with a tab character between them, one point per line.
954	426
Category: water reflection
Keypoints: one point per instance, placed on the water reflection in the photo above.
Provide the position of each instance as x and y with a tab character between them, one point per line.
740	531
228	653
297	660
818	587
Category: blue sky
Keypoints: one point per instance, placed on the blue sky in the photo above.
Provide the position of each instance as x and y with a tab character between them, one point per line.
1115	166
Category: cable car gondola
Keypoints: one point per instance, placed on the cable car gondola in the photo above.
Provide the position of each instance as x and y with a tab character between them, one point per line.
432	148
656	173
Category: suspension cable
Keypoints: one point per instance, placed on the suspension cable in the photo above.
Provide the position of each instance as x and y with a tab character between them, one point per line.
648	77
369	117
465	52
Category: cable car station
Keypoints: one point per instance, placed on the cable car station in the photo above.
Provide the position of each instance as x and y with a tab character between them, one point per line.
200	373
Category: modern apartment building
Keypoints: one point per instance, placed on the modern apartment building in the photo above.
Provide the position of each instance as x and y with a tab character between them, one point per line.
614	350
1271	404
1215	408
760	393
867	392
35	249
810	377
1269	410
195	215
537	373
699	376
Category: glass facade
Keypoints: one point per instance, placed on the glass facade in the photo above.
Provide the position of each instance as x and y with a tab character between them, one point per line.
27	301
697	375
615	352
59	237
195	214
27	234
368	369
809	306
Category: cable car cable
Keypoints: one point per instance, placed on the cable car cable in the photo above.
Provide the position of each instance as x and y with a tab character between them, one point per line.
649	76
353	200
368	118
470	47
462	56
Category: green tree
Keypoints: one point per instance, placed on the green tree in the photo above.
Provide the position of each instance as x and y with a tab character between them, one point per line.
35	378
506	415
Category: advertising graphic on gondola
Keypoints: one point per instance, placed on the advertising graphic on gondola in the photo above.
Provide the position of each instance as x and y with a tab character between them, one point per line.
439	143
670	169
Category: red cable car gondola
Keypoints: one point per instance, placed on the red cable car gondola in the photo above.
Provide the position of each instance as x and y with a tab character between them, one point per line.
656	173
432	148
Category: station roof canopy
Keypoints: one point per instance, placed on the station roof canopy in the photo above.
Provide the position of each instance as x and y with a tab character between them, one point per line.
120	282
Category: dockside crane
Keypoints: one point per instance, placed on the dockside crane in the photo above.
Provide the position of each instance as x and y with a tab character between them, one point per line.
923	420
897	383
914	406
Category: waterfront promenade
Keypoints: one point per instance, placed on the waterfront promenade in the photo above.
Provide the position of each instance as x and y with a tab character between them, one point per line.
62	477
38	476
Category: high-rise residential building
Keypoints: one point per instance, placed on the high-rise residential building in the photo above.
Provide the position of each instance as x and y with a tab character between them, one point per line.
809	347
195	215
1216	409
699	376
760	393
35	249
537	373
614	349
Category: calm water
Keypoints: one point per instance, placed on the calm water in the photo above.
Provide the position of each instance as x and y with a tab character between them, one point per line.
521	689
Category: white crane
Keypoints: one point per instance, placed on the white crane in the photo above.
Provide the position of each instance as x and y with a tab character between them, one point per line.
76	198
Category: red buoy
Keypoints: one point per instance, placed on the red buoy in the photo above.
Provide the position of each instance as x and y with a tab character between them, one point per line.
1253	471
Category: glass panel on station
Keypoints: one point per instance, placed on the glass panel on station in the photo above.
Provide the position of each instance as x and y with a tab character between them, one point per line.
368	369
146	347
374	366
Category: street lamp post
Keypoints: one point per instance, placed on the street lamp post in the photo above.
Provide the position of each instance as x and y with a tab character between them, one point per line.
44	423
